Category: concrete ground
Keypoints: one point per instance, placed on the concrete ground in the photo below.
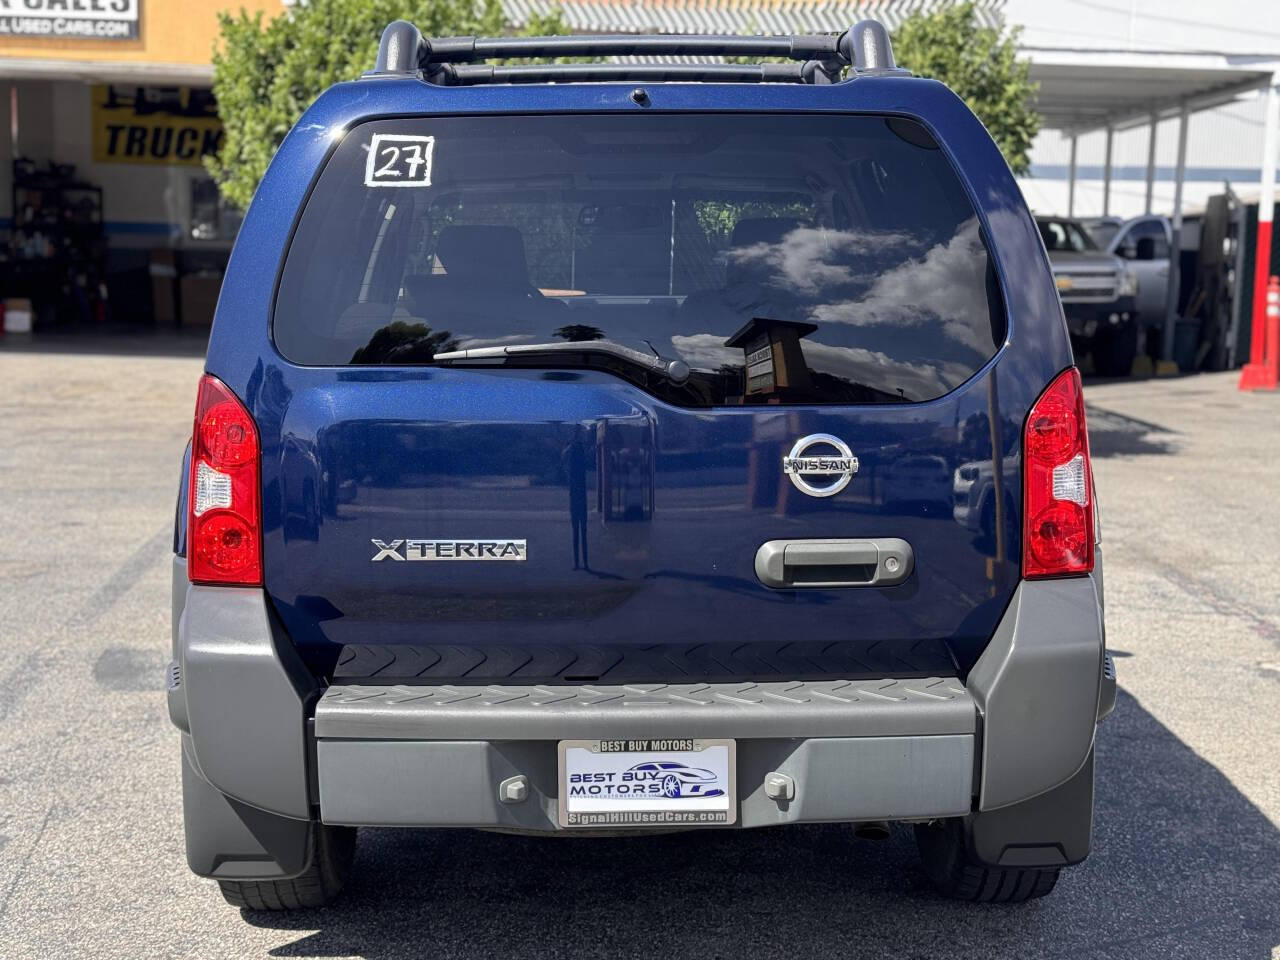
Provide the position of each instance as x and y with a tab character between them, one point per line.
1187	854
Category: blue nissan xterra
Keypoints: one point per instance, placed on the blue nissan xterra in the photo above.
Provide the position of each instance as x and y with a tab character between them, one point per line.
594	448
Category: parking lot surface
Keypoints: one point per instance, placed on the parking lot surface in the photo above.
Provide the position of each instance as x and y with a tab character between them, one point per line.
1187	853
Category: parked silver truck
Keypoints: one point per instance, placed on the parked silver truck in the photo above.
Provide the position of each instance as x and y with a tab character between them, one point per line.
1099	295
1143	243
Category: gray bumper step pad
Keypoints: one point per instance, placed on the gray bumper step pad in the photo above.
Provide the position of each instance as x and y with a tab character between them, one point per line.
830	708
613	664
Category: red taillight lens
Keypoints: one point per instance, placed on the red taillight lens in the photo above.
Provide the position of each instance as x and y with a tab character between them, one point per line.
1057	535
224	513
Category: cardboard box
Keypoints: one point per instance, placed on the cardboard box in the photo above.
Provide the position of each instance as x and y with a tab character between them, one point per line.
17	315
164	287
198	295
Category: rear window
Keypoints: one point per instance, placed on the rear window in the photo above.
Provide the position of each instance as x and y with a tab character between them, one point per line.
784	259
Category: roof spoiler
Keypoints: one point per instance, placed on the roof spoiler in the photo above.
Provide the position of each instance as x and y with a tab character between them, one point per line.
459	61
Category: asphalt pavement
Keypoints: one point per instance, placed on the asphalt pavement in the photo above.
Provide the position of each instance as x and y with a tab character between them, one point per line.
1186	860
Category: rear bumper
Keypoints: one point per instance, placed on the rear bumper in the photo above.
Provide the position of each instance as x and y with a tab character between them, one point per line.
1086	319
261	735
866	750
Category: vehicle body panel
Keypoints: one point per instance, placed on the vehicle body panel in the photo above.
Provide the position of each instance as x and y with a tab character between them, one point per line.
676	500
1153	274
1102	229
1092	275
1089	283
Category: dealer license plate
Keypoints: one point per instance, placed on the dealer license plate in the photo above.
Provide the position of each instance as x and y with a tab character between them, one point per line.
647	783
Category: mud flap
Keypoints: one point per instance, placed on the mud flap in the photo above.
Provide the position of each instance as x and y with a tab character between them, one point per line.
1053	829
229	840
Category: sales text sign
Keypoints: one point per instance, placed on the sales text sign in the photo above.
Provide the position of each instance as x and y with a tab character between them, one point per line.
70	19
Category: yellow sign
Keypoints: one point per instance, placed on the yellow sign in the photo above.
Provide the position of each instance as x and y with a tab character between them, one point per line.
157	125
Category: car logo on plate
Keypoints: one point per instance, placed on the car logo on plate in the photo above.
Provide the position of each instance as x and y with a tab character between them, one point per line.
837	461
450	550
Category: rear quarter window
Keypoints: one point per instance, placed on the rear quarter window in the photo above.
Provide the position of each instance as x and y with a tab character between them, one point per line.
786	259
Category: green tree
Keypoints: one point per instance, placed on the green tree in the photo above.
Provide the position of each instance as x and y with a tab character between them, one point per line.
267	72
980	64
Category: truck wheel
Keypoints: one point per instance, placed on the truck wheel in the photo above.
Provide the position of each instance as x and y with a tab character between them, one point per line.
332	852
1113	351
956	874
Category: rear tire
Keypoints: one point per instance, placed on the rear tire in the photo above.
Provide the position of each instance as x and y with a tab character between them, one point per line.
332	853
1115	350
955	873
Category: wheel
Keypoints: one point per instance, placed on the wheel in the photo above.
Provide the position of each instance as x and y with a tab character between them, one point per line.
332	852
956	874
1114	351
671	785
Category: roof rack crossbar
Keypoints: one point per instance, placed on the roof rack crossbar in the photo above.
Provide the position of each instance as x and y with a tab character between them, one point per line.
404	52
477	73
473	49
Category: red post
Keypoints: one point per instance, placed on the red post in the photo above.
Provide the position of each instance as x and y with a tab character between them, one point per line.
1262	372
1261	268
1272	356
1258	374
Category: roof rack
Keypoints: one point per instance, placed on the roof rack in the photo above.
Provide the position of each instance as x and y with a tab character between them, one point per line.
458	61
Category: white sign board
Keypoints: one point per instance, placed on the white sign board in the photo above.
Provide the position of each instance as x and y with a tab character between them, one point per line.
70	19
615	783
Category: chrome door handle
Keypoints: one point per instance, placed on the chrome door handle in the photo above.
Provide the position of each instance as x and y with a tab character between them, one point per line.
795	564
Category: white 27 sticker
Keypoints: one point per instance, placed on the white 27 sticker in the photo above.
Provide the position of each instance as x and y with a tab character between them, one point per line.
399	161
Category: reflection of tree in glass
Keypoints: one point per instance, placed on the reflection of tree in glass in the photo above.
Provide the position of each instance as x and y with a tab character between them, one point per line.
718	216
547	225
401	342
579	332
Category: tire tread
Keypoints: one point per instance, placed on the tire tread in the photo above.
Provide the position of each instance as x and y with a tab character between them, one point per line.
333	849
957	875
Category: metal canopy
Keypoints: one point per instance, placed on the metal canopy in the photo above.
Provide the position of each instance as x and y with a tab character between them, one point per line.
1082	91
1085	90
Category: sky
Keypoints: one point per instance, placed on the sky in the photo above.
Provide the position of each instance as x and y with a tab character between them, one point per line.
1223	26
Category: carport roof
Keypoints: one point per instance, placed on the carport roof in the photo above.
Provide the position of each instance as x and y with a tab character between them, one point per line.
1084	90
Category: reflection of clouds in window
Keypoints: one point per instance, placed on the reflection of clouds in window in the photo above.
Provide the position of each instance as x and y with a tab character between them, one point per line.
947	284
873	368
706	351
472	343
810	259
883	279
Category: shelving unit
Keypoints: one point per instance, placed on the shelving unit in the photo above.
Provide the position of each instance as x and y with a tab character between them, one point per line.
57	247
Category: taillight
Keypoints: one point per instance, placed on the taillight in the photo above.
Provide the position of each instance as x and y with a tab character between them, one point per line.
224	515
1058	518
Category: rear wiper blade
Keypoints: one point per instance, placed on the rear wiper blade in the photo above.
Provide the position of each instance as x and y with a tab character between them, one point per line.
677	371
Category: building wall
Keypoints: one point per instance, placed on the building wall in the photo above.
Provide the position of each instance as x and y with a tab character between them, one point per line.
143	205
1223	26
1222	145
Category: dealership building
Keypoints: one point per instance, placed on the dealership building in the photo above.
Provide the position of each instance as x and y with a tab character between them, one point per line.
105	113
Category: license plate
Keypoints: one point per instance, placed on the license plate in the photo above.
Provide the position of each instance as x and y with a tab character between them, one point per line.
647	783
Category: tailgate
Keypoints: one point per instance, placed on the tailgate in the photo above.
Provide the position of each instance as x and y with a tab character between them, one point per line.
537	410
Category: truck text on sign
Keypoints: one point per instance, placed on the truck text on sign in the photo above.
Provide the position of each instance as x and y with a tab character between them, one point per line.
157	125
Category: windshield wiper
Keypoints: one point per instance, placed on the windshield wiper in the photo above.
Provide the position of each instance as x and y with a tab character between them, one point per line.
677	371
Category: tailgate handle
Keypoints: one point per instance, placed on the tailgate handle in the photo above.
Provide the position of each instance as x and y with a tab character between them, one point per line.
792	564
